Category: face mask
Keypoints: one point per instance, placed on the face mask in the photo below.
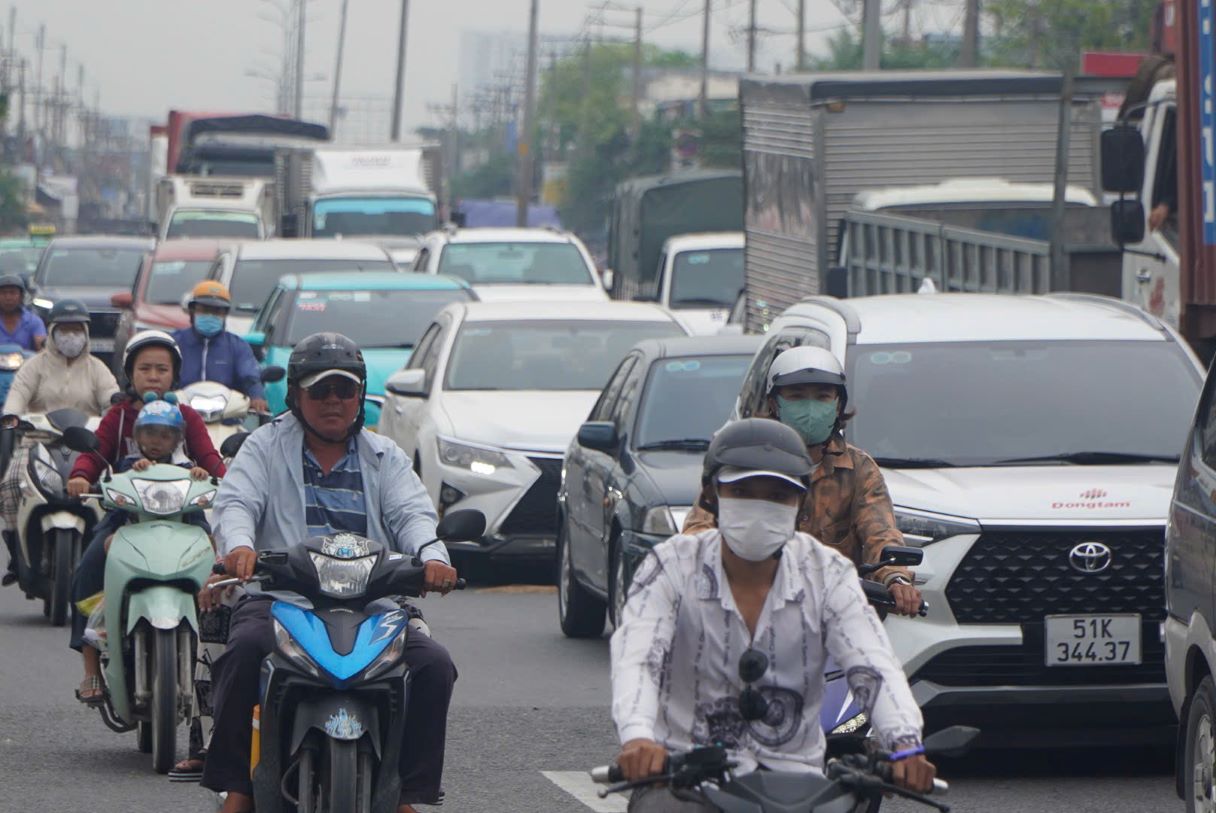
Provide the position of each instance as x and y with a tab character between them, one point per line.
208	324
755	529
813	420
70	344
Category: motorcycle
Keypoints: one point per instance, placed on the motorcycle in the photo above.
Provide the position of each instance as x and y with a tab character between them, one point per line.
851	783
224	410
52	528
331	717
154	569
12	356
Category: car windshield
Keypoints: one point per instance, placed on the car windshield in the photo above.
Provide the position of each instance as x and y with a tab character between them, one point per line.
373	216
253	280
516	264
171	279
18	257
545	355
371	318
975	404
706	279
687	399
92	267
241	225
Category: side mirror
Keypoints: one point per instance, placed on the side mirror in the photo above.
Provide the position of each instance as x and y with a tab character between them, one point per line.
902	556
272	374
1127	221
79	439
407	383
952	742
599	435
609	279
255	338
232	444
1122	159
465	525
122	300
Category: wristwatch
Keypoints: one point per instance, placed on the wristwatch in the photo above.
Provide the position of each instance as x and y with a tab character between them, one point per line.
897	579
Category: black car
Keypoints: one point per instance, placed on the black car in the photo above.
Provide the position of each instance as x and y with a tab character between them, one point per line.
91	269
634	470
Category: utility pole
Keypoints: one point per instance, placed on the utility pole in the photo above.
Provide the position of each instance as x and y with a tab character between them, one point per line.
703	96
39	95
525	135
751	36
333	105
970	53
21	109
399	91
637	72
871	35
301	14
800	56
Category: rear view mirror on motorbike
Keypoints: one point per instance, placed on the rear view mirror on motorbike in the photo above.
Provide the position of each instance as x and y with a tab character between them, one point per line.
232	444
466	525
272	374
894	556
952	742
80	439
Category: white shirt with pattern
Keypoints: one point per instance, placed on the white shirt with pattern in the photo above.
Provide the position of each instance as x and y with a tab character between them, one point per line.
675	656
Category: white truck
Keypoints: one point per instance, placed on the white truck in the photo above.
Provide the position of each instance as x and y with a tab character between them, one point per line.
389	194
700	278
208	206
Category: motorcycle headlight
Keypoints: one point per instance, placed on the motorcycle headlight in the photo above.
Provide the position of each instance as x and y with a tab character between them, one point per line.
46	475
293	652
11	361
664	520
342	578
389	658
476	459
162	497
852	725
922	528
210	407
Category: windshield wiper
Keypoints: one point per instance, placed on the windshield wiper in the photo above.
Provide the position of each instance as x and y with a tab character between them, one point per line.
914	463
680	445
1089	458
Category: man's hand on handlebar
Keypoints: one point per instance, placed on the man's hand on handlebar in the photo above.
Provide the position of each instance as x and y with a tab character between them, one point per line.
907	599
77	486
439	578
259	405
209	599
914	773
641	758
241	563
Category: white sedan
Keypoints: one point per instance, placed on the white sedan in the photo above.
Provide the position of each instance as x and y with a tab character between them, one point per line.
492	397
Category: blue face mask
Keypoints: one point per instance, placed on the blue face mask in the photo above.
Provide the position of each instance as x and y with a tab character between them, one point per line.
813	420
208	324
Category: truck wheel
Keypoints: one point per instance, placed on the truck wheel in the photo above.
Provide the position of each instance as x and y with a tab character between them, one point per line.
1199	761
60	594
581	613
164	700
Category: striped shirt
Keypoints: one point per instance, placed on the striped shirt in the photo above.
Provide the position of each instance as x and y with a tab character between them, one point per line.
334	502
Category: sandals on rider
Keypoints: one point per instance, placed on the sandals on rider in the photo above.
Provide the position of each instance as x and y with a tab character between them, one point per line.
90	692
189	769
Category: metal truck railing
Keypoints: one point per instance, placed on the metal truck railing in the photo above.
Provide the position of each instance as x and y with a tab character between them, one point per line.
890	254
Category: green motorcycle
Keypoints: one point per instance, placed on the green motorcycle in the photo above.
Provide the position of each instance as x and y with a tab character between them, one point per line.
155	567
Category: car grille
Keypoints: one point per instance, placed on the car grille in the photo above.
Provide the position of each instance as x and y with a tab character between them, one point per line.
103	324
536	512
1021	576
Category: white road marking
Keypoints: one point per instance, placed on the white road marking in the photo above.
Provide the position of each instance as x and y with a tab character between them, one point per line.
579	785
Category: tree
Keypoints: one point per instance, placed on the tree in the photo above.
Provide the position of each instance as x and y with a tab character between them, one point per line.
13	215
1051	33
845	54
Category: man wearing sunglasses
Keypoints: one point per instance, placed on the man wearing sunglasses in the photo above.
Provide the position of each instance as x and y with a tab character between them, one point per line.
311	472
752	583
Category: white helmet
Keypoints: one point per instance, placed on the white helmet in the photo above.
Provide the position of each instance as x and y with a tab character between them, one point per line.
146	338
807	365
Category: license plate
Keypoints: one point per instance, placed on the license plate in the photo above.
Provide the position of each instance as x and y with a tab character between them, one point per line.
1092	640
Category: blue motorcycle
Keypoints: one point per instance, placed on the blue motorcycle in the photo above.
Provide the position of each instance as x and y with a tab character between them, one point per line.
332	702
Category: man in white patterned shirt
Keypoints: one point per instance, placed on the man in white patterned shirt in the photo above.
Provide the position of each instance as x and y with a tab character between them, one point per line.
699	602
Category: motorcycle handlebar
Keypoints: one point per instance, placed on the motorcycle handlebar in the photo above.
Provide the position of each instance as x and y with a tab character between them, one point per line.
606	774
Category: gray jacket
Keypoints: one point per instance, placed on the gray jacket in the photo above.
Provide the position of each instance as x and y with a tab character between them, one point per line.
260	503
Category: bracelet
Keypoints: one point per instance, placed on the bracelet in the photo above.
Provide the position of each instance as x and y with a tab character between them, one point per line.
909	752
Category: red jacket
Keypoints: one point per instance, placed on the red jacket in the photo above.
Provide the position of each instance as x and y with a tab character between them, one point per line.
114	441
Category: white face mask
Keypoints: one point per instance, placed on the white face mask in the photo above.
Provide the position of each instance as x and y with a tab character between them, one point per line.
755	529
70	344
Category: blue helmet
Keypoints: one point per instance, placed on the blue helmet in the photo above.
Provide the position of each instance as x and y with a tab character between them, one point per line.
157	412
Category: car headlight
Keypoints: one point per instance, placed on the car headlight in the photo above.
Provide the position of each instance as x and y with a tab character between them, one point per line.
43	304
922	528
663	520
293	652
390	657
342	578
162	497
852	725
210	407
11	361
476	459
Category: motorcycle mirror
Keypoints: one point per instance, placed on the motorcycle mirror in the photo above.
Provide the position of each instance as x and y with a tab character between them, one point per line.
272	374
752	665
465	525
232	444
952	742
902	556
79	439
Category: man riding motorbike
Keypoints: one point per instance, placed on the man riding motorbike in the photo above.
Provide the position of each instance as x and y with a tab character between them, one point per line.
312	472
210	353
847	507
698	602
63	375
18	324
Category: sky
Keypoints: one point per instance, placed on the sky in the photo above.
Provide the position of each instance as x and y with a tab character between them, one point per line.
147	56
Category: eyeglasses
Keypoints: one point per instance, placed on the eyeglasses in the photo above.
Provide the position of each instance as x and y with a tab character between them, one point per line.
344	388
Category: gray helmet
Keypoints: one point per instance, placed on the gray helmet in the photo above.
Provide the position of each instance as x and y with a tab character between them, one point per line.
12	281
759	444
808	365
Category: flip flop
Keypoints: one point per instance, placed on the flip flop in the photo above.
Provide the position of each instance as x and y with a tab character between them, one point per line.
182	772
91	684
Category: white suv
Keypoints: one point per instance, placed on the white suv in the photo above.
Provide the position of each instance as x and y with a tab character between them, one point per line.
1030	446
509	265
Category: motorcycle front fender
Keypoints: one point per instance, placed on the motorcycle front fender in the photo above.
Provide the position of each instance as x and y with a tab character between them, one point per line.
63	521
338	716
164	607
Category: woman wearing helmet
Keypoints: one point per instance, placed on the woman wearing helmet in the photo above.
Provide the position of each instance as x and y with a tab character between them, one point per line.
63	375
210	353
848	507
753	584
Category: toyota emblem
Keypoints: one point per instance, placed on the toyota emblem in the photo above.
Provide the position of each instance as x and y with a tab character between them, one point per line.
1090	557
